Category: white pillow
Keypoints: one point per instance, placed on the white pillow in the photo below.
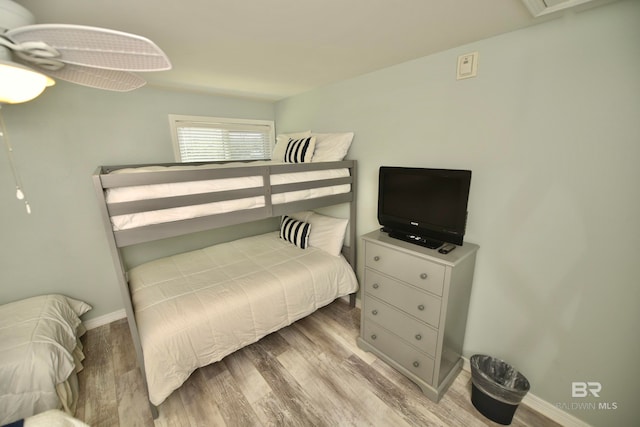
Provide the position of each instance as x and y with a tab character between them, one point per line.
327	233
302	215
80	307
281	144
331	147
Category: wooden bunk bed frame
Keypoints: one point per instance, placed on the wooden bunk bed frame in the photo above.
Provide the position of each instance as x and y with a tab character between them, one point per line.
104	180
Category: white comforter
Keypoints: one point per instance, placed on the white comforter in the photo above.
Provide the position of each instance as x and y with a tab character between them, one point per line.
195	308
39	353
154	191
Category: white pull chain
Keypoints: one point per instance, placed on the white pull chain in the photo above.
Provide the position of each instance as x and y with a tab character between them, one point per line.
16	177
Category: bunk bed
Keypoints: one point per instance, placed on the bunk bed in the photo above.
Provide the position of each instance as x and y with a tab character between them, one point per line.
189	310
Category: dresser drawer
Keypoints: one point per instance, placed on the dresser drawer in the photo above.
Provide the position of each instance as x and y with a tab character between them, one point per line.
410	300
416	271
409	329
411	359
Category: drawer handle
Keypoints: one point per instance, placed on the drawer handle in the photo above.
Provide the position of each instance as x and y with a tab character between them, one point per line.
416	364
376	258
421	307
376	286
418	337
374	312
374	336
423	276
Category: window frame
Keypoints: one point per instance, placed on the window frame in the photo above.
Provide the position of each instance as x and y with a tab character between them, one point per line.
175	120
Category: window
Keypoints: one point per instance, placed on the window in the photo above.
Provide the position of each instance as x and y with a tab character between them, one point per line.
202	139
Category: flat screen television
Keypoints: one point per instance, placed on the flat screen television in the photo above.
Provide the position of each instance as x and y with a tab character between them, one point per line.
424	206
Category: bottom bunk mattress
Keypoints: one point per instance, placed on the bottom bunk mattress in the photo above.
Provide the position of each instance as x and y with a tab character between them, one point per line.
195	308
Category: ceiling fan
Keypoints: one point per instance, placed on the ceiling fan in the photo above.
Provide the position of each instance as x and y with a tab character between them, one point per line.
90	56
31	55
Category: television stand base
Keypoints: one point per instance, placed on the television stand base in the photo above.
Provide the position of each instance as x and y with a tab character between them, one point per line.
418	240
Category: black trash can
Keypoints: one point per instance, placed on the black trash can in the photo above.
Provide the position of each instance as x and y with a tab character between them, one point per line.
497	388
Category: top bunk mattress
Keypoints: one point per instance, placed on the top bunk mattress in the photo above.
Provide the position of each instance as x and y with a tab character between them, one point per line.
173	189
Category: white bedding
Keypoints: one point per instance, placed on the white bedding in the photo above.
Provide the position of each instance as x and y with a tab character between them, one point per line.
193	309
40	353
145	192
53	418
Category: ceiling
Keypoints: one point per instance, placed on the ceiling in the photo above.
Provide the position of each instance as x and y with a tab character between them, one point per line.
272	49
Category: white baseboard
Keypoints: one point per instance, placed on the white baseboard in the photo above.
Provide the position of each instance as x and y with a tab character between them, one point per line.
103	320
552	412
543	407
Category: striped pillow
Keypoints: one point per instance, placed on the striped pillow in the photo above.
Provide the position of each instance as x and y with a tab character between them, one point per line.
300	150
294	231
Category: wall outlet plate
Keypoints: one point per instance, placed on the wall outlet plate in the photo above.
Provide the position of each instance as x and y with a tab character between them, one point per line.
467	65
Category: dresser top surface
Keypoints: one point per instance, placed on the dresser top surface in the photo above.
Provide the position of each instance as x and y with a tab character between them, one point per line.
452	258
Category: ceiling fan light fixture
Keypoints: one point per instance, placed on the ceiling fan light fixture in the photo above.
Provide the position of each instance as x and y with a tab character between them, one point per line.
21	84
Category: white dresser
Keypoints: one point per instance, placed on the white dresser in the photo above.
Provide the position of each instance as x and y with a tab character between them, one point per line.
414	308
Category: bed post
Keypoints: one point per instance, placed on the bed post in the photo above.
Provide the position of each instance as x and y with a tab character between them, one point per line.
353	237
123	282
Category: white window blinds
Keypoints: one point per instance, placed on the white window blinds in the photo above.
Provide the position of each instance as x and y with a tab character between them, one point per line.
201	139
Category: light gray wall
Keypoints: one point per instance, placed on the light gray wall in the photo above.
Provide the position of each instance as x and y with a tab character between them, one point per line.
59	139
551	130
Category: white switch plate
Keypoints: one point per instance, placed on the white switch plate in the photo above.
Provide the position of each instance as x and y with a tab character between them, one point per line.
467	65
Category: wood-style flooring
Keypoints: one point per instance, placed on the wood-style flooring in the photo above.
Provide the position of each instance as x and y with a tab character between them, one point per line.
308	374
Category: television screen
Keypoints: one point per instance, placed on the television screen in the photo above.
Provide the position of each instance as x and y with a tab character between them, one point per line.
424	206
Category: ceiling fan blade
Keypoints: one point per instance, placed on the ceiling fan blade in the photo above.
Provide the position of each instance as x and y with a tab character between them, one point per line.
114	80
95	47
